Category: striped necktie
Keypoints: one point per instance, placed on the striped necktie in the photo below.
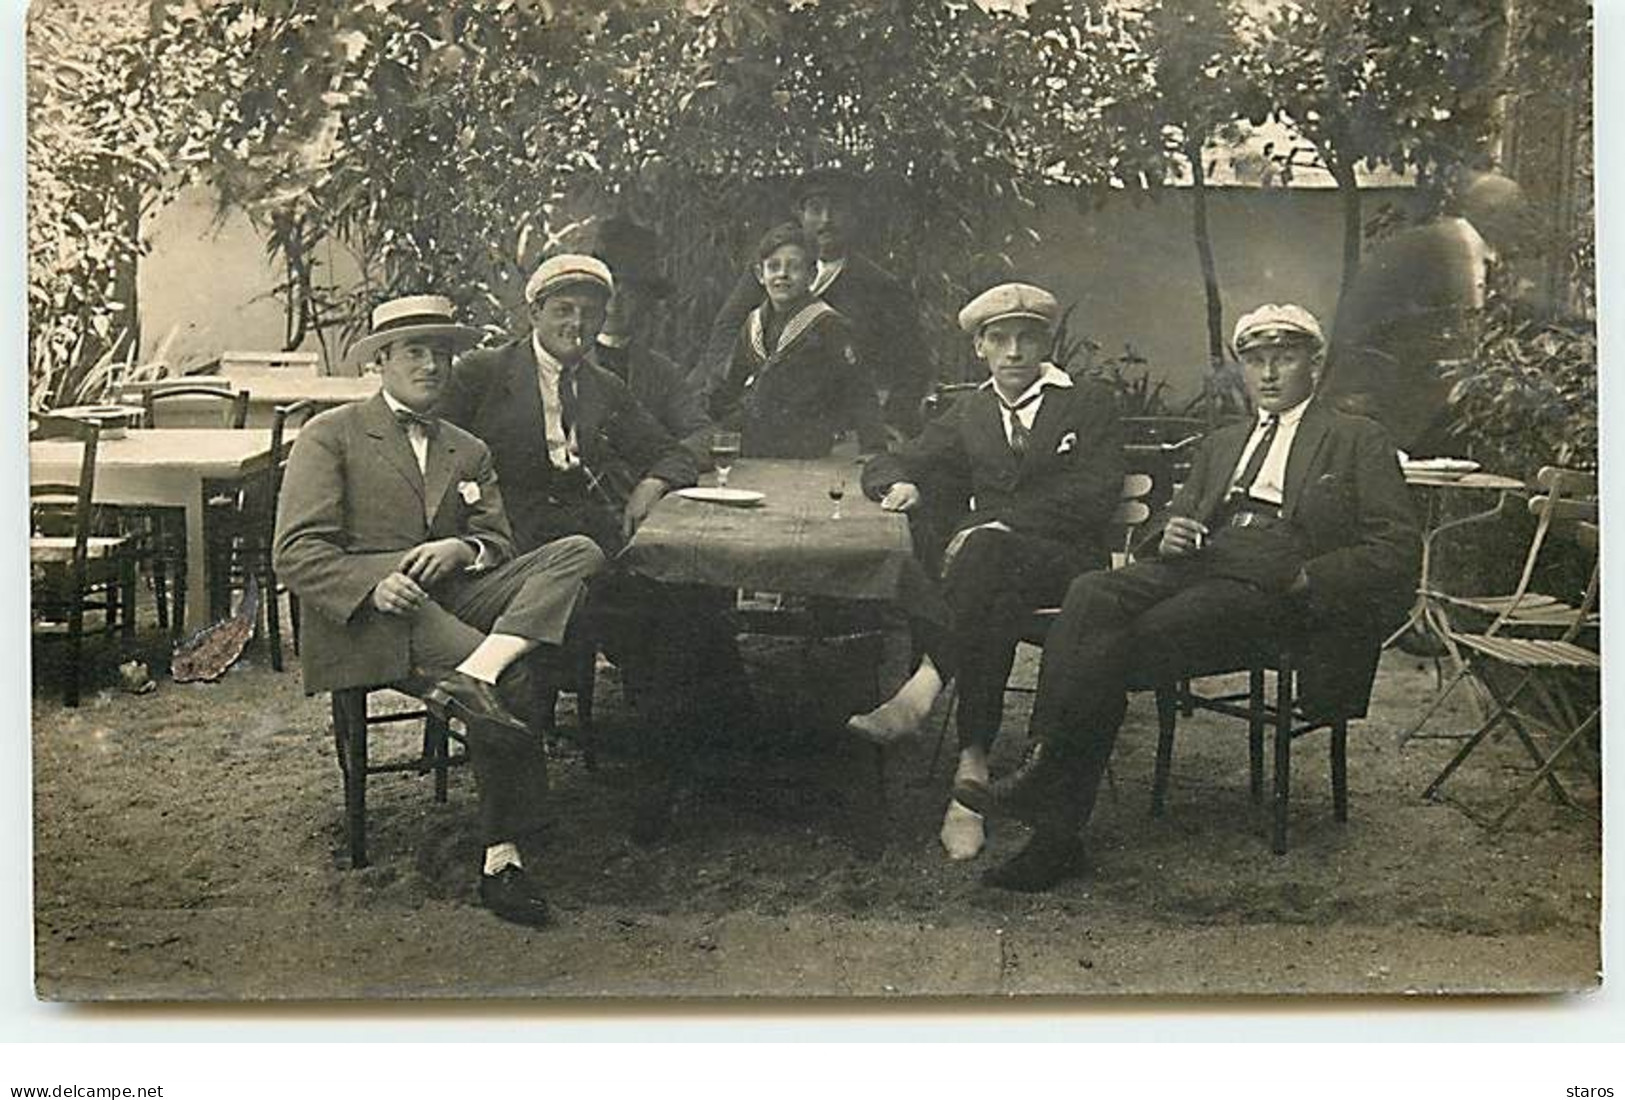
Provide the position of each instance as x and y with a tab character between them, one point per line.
1255	461
1020	434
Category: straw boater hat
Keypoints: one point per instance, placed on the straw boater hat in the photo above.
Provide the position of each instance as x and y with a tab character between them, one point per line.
419	317
1010	300
1277	324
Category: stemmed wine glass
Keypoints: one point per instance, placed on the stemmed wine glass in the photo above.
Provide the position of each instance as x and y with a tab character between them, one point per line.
837	491
724	451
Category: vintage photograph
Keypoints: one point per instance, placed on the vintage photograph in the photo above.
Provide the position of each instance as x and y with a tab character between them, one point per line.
812	498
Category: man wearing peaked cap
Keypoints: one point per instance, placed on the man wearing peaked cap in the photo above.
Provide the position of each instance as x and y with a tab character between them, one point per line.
577	454
391	530
884	315
1030	465
1295	524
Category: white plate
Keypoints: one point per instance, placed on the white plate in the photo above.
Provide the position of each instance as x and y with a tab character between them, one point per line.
739	498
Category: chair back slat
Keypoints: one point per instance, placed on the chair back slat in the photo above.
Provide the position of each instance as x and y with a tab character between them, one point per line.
232	403
1564	510
88	434
1562	481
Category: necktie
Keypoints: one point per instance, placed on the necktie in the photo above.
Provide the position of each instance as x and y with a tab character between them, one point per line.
567	401
1255	461
1020	434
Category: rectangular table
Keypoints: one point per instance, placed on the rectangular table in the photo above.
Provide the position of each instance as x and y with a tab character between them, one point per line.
788	543
163	468
266	390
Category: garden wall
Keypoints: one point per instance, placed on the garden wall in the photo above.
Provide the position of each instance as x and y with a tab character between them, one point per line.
1130	265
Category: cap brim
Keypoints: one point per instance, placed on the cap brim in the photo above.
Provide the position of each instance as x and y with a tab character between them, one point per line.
1023	314
460	337
1276	334
565	282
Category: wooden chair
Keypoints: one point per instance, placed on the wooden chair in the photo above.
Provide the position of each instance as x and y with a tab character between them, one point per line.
176	403
1282	715
243	535
1549	677
74	569
351	722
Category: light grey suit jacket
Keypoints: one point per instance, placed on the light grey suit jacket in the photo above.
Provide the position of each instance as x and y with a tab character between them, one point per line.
353	502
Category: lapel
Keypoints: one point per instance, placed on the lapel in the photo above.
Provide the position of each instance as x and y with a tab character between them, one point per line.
1306	444
521	400
1045	435
389	440
985	426
439	470
1227	447
590	404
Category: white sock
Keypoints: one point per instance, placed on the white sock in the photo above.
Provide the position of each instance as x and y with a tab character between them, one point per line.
499	856
972	766
495	654
919	692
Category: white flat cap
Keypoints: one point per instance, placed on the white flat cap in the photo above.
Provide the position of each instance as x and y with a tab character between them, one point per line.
567	269
1009	300
1276	324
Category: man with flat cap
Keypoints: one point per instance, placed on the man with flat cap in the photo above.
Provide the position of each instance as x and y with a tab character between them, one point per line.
884	316
1032	462
1295	525
631	252
576	452
391	530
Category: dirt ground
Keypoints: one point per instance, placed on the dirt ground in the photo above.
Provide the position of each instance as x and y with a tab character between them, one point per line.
189	844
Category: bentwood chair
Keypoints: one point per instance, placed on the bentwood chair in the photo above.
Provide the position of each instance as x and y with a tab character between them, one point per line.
183	403
74	569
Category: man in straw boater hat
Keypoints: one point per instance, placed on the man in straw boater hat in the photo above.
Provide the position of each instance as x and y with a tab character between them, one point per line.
391	530
1030	466
1295	524
884	316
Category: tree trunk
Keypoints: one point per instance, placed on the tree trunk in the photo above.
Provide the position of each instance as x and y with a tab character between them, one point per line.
1204	254
1348	191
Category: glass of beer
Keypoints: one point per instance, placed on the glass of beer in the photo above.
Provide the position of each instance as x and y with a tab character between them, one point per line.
724	452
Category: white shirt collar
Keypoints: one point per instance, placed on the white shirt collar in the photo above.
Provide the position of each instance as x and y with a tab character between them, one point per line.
1289	418
396	407
1051	375
545	362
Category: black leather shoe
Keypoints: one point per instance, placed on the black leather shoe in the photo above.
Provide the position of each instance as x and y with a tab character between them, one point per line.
514	896
1048	859
462	697
1037	792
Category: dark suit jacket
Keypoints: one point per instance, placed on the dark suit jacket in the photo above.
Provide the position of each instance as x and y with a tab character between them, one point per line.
885	322
659	386
792	404
494	394
1346	498
1065	488
352	503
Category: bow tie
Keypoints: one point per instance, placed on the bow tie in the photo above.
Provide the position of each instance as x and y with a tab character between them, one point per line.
407	419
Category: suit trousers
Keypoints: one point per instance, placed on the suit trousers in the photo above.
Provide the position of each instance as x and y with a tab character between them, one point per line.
531	597
992	587
1151	623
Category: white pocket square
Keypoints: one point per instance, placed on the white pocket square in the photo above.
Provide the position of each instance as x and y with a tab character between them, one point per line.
1068	441
469	491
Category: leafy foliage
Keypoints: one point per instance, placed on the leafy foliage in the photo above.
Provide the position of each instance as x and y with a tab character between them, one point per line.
119	114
